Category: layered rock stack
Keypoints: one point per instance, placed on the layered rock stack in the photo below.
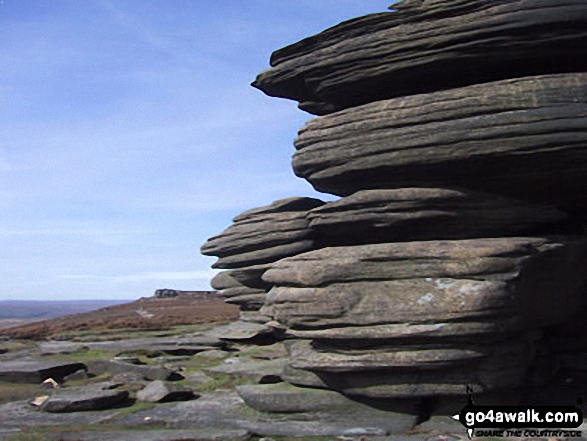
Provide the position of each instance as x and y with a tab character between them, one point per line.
258	238
456	134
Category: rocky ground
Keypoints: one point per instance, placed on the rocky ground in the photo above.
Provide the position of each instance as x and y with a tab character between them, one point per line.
180	384
185	382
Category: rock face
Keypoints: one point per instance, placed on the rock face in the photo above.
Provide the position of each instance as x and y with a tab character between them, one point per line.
428	46
516	134
505	282
456	133
430	315
412	214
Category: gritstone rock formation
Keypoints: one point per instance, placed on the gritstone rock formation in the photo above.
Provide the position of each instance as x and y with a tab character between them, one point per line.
456	133
257	238
429	46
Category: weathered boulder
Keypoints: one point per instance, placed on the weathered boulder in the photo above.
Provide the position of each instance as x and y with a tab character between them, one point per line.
31	370
429	46
455	130
165	293
412	214
521	138
163	391
95	397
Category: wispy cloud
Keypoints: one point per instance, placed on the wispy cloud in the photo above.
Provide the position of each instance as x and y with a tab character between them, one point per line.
135	26
130	134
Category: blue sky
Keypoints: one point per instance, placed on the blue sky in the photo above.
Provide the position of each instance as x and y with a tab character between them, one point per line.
130	134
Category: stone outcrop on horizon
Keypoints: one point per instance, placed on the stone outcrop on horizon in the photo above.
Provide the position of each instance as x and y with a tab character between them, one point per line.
455	133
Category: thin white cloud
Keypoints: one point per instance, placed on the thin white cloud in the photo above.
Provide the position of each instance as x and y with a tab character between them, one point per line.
132	24
131	135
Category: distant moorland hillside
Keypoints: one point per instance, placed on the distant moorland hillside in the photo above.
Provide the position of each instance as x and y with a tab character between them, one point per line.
147	313
37	309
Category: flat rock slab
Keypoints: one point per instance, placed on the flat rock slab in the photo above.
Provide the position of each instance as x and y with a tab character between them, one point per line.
227	410
412	214
77	399
181	349
153	344
58	347
7	431
31	370
285	398
260	371
98	367
21	413
241	331
427	46
213	354
522	138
